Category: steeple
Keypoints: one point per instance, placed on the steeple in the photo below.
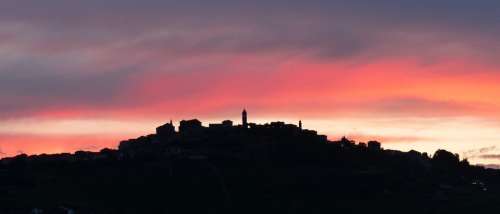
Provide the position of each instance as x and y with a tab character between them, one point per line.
300	124
244	119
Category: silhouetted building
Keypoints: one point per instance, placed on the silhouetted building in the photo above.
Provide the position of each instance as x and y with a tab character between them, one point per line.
190	127
166	130
253	125
346	143
309	132
374	145
244	119
300	124
323	138
227	123
277	124
224	125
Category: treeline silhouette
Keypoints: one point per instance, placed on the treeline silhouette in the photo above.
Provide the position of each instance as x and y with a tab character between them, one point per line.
249	168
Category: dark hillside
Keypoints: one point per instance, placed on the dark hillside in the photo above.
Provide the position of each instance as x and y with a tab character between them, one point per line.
272	168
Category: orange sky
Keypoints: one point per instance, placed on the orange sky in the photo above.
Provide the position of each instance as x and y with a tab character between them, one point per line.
402	103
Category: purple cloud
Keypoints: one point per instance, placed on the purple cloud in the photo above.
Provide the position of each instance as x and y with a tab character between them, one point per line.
61	54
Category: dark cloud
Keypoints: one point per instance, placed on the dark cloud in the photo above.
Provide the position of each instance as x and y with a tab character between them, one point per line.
66	53
462	11
30	84
332	28
490	156
482	153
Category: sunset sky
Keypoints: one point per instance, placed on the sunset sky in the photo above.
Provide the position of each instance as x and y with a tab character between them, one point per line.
419	75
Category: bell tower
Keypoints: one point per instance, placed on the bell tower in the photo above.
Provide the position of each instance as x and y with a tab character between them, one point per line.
244	121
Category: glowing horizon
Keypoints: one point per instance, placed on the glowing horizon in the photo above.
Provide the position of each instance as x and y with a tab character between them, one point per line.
93	135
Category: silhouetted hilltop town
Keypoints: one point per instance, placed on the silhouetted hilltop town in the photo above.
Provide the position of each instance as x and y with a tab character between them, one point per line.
225	133
246	168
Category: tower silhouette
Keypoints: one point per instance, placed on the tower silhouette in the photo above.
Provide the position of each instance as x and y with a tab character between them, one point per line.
300	124
244	119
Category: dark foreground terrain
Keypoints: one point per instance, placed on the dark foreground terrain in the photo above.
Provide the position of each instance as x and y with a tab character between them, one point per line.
273	168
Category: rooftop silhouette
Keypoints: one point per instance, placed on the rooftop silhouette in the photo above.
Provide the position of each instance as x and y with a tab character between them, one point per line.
245	168
193	132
